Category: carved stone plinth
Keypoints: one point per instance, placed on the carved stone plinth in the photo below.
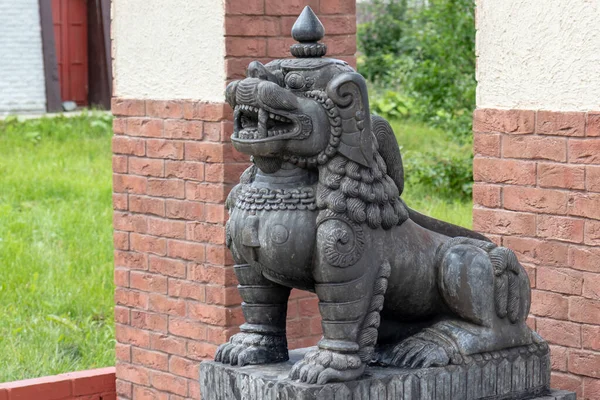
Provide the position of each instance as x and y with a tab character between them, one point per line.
511	374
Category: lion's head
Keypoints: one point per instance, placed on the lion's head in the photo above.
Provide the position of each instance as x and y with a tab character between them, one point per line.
313	112
305	109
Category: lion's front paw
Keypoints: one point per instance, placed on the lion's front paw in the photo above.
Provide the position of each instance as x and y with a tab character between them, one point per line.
252	348
323	366
414	352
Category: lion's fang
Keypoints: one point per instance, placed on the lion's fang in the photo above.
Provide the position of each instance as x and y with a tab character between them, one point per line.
263	118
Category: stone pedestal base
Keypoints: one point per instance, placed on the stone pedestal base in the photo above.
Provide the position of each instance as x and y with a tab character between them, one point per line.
517	375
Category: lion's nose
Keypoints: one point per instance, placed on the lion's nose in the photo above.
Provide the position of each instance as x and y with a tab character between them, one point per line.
245	91
277	97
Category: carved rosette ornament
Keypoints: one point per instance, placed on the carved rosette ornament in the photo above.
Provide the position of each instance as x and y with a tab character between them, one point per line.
320	209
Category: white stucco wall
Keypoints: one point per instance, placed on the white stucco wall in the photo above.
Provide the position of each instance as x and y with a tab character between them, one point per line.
538	54
169	49
22	84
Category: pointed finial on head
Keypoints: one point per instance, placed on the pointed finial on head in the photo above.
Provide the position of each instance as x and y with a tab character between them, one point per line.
308	30
307	27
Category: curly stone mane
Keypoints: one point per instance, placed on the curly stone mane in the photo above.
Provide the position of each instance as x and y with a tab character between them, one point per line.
363	194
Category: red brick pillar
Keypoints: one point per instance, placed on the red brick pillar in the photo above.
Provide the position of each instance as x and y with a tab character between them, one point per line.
537	168
537	191
176	297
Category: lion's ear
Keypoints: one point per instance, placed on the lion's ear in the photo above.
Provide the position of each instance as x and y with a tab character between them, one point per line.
349	93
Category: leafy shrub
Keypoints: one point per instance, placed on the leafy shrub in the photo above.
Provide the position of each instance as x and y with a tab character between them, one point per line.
447	174
426	55
392	105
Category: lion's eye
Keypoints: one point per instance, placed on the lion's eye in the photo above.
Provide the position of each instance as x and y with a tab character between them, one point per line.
294	81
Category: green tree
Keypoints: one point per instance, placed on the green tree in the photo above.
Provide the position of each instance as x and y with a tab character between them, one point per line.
425	56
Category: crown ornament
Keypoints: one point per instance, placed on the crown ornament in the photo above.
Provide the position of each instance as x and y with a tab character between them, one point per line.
307	31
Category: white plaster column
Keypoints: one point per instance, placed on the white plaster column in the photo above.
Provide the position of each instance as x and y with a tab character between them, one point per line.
165	50
538	54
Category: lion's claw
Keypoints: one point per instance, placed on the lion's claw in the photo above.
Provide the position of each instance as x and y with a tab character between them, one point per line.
252	348
323	366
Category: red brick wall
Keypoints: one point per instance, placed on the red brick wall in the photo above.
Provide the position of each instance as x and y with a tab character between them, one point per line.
537	191
260	30
96	384
176	297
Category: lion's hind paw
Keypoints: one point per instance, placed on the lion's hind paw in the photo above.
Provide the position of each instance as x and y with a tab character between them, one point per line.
413	352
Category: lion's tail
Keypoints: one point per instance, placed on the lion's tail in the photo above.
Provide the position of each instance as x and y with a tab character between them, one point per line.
367	338
442	227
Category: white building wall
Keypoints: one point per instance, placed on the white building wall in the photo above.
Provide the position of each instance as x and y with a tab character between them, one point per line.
538	54
22	82
169	49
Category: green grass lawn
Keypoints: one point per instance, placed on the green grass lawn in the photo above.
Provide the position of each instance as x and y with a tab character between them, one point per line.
56	290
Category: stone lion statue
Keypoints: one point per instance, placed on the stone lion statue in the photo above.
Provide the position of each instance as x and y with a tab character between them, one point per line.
321	210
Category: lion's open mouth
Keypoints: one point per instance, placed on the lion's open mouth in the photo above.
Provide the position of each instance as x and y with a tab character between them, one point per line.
253	123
